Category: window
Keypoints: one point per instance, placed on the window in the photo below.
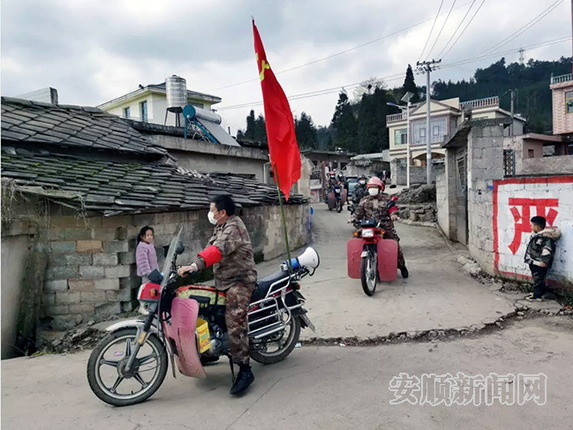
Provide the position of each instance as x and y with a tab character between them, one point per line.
126	112
530	153
436	130
143	108
400	136
569	102
422	132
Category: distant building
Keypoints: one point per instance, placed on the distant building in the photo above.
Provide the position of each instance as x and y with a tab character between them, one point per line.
445	115
149	104
562	93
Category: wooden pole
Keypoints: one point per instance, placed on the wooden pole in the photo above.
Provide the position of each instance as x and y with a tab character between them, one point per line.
283	217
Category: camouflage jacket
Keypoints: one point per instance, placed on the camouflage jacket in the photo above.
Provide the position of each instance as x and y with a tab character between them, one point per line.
359	193
373	207
237	264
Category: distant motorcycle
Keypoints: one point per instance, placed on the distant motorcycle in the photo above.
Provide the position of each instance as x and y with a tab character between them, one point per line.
336	198
187	325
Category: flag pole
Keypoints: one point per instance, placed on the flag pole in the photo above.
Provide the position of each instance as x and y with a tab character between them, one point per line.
283	217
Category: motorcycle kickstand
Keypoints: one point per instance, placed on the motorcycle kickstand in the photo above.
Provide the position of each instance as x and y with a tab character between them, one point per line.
233	378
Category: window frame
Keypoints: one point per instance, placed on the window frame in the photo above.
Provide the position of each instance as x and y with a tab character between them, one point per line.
144	111
568	102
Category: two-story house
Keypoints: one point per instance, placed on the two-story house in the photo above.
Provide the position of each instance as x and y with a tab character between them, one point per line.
149	104
562	93
445	116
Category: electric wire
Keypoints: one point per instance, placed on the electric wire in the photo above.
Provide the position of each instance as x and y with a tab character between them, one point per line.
431	30
465	28
456	30
524	28
441	29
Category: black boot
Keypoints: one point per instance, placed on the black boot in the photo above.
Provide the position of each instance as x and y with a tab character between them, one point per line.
404	272
244	379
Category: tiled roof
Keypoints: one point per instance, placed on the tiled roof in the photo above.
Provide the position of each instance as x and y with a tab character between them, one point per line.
72	126
121	186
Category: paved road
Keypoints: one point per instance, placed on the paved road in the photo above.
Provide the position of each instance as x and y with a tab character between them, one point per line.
436	296
315	388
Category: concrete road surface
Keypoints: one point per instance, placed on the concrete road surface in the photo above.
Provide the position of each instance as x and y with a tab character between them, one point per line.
315	388
436	296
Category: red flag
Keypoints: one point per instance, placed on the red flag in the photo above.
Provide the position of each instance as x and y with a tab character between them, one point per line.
280	124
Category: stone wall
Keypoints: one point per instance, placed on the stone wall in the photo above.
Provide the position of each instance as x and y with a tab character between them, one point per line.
91	271
423	212
557	164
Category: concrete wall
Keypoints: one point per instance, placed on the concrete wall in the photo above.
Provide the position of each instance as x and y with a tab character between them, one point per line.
15	252
209	157
515	201
485	164
91	271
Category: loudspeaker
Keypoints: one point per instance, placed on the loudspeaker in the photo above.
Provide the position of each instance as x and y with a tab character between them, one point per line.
309	258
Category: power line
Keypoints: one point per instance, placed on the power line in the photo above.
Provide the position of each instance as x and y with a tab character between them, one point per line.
465	28
397	76
441	29
524	28
431	30
335	54
457	28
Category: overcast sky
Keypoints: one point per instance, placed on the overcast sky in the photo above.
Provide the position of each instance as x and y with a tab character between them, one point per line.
95	50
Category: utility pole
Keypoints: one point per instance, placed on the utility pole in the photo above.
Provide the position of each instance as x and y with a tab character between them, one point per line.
427	67
512	111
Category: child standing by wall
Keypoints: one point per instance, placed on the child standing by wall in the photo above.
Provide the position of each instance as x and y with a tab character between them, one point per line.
145	256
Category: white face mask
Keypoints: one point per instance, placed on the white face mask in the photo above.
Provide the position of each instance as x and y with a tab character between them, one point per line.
373	191
211	217
362	182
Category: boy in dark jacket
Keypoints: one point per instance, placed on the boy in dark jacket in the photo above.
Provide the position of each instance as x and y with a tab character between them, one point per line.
539	255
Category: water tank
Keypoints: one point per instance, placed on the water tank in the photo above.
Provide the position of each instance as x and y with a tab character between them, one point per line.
176	88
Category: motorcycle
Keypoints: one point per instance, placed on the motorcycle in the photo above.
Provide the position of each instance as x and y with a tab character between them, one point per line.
336	198
370	257
186	326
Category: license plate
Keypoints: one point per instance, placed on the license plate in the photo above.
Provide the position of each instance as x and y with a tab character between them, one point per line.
364	254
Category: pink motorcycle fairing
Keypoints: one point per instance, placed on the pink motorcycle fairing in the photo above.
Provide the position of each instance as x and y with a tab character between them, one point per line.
184	314
387	258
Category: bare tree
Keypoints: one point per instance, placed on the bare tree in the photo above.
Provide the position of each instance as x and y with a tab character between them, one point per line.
368	87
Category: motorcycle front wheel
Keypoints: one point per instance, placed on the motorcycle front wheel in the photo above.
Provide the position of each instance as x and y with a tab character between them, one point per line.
339	206
277	346
106	368
369	272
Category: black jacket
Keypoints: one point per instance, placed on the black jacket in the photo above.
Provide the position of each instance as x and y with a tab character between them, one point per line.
541	247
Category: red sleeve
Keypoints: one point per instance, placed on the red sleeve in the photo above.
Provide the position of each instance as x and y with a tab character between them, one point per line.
211	255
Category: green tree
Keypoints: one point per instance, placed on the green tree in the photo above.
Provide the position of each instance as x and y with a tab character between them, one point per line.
410	85
260	129
344	124
372	131
250	131
305	131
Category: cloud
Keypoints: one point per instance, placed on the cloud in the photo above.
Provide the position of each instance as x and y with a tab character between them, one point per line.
96	50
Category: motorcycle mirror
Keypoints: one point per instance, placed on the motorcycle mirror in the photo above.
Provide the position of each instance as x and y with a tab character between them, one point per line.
180	249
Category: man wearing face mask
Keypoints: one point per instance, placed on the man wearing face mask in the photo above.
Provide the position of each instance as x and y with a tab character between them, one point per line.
231	254
378	205
359	190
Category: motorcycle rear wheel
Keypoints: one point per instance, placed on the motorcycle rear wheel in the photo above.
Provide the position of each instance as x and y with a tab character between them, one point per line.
369	273
97	361
265	357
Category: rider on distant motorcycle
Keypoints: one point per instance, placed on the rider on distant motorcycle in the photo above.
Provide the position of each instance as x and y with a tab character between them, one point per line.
375	206
231	254
359	190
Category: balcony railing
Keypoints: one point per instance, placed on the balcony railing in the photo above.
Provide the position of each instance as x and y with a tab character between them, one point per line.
480	103
562	78
396	117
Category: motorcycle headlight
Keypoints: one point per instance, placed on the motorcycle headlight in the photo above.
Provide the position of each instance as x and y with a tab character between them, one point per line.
368	233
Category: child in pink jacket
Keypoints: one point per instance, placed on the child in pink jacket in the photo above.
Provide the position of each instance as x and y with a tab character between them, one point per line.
145	256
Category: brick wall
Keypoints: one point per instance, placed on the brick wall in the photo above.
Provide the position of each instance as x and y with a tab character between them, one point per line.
91	271
418	174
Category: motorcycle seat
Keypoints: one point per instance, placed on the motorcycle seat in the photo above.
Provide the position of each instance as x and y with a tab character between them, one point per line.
264	284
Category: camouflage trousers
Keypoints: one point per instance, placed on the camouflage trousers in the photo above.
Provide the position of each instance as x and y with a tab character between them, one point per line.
390	233
238	299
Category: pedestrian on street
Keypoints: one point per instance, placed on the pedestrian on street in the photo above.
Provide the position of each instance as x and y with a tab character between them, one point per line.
145	255
379	206
231	253
539	255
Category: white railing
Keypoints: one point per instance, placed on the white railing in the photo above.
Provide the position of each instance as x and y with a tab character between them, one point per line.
562	78
481	103
396	117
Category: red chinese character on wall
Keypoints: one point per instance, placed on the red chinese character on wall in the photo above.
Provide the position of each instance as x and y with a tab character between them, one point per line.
543	207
